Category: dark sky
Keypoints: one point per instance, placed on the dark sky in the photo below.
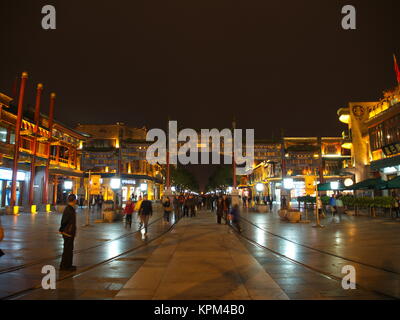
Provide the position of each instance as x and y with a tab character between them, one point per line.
272	64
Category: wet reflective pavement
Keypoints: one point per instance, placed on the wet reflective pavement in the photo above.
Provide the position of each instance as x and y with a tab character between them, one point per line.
367	244
294	258
33	241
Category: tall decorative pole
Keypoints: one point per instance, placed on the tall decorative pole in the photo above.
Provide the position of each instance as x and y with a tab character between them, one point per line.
24	78
46	171
168	164
168	173
39	91
233	155
321	180
234	192
168	191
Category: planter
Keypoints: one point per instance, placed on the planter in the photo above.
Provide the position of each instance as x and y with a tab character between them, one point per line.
262	208
107	206
283	214
293	216
111	216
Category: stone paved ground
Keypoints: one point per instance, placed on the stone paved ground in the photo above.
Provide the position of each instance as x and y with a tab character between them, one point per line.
367	240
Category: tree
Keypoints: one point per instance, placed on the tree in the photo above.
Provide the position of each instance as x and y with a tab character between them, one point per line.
183	179
220	179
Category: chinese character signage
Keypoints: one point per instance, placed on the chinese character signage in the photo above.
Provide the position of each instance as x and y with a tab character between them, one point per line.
391	149
95	184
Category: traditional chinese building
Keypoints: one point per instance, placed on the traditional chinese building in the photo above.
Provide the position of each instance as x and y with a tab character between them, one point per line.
115	156
61	149
373	136
300	160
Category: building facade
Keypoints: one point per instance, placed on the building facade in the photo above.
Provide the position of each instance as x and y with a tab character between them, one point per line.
373	136
60	153
294	165
114	159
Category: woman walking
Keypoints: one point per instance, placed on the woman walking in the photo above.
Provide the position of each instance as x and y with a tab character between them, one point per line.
167	209
129	208
220	210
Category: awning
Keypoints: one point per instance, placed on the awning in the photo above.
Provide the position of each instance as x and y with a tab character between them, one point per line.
387	162
394	183
328	187
375	183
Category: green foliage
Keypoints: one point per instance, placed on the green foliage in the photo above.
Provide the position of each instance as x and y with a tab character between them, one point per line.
325	200
306	199
183	179
220	179
368	202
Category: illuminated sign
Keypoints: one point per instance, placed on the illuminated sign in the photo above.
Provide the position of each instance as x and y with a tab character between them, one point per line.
334	185
288	183
348	182
143	187
6	174
128	182
68	185
391	149
115	183
95	184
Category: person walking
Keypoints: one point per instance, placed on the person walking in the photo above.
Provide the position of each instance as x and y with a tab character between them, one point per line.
167	209
220	210
128	211
192	206
186	206
332	204
137	208
225	204
269	202
146	211
396	206
235	213
177	207
68	231
283	202
339	205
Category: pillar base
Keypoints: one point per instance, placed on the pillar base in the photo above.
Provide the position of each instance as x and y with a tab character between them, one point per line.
34	209
44	208
13	210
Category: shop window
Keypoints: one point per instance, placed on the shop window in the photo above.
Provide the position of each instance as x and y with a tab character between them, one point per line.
3	134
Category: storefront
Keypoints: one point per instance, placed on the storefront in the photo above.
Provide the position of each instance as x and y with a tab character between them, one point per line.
5	186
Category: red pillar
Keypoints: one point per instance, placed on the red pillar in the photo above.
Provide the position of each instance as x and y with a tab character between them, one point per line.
39	91
321	161
46	171
168	175
233	156
24	77
55	190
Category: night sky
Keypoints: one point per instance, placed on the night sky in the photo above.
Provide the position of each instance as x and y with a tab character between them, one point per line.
271	64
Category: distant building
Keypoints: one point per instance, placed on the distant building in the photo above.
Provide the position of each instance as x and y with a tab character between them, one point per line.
299	159
116	155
